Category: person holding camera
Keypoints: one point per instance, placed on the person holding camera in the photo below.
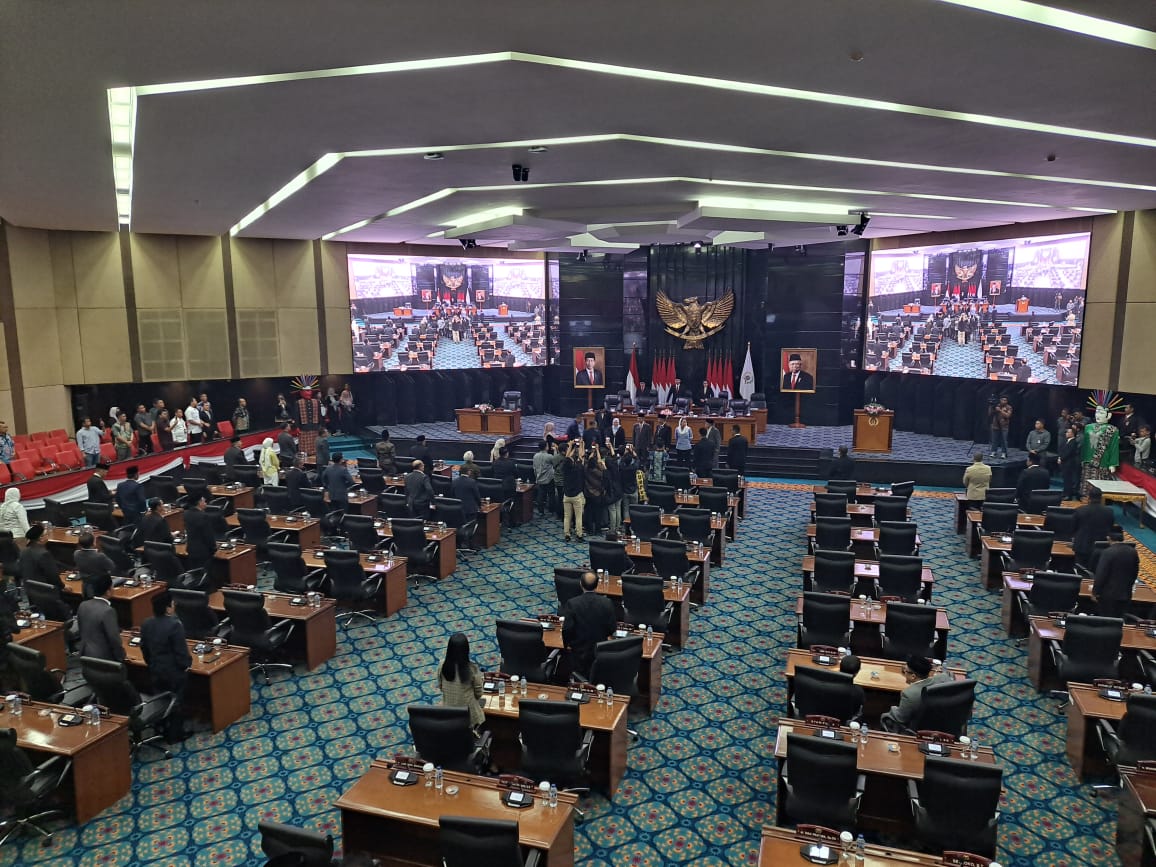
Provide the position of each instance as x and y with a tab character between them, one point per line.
999	415
573	491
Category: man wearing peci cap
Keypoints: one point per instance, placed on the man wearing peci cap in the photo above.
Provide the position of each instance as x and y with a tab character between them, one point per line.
589	375
919	676
797	379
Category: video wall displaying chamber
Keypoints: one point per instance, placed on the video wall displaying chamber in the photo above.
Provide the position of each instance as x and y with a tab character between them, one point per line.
1008	310
442	313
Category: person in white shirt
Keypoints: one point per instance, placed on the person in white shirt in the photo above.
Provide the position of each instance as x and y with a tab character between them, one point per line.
193	420
88	440
179	428
13	516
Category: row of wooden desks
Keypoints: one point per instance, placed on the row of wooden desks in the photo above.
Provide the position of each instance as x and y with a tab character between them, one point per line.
306	530
48	639
975	516
861	514
523	497
863	540
863	493
1143	598
399	824
867	622
734	503
447	540
679	630
991	564
640	553
867	571
314	637
1041	670
391	569
717	523
781	847
963	505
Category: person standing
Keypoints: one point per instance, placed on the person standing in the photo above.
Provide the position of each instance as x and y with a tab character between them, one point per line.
999	418
166	654
208	424
573	492
164	430
90	563
1093	523
643	435
36	561
702	454
465	488
202	540
612	493
843	467
595	511
386	454
13	515
737	447
460	681
1039	440
321	459
269	463
145	428
99	632
588	618
544	462
628	473
193	420
682	442
88	441
98	491
130	496
1117	570
422	453
617	434
1034	478
234	457
1142	446
715	436
1070	466
122	437
418	491
7	444
179	429
337	481
977	479
153	526
286	446
241	417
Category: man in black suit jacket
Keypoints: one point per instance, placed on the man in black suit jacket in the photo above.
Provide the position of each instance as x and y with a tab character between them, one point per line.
153	526
1069	454
202	541
795	378
130	497
286	446
90	563
296	479
234	456
337	481
166	653
418	491
843	467
422	453
617	435
37	562
1093	522
589	618
99	631
642	439
1117	569
737	447
1034	478
98	491
465	488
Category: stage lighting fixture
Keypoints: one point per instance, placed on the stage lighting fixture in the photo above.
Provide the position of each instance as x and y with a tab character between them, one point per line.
468	243
841	231
521	173
539	149
434	155
863	221
582	256
698	245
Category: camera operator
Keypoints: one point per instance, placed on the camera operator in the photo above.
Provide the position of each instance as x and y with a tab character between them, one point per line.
999	415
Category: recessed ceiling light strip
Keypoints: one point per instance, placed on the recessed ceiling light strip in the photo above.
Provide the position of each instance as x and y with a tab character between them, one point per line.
1063	19
122	131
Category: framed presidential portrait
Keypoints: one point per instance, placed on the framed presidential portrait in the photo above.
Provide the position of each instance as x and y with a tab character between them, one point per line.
589	367
798	369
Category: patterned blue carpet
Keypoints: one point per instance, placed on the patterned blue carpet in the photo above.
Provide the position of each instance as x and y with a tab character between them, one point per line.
700	784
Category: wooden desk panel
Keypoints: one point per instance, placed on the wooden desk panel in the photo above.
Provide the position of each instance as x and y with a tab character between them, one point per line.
974	516
470	420
489	525
718	524
1083	745
679	632
1063	560
235	566
867	570
174	517
1143	598
314	637
399	825
649	672
639	552
307	530
780	848
525	497
392	569
861	514
132	603
49	641
1137	806
447	540
362	504
1042	673
241	495
867	623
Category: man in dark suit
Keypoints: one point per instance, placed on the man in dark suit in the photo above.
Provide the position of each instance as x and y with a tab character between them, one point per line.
99	632
505	470
98	491
337	481
295	479
737	447
642	439
1069	454
795	378
1034	478
422	453
130	496
153	526
1093	522
287	448
574	430
1117	569
589	618
90	563
418	491
202	541
166	653
589	375
234	457
843	467
36	561
465	488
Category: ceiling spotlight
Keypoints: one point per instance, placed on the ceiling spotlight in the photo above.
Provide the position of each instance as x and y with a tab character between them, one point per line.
468	243
434	155
863	221
841	231
801	250
521	173
698	245
539	149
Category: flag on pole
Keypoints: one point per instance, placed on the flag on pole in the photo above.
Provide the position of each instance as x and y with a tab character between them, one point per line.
729	378
632	376
747	386
658	379
668	377
715	376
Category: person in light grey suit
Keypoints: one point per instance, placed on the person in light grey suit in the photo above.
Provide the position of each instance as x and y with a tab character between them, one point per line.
99	632
919	671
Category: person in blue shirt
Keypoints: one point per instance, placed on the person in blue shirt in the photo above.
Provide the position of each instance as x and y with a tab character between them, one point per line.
88	441
7	444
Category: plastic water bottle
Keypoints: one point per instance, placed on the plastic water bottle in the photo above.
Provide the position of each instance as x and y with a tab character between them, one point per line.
649	633
515	687
439	778
525	687
15	705
501	690
854	732
860	850
94	719
553	795
1147	689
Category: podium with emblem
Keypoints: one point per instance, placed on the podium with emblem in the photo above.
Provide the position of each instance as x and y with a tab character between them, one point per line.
872	430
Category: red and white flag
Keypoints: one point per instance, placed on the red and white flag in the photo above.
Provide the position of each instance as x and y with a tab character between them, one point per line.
632	376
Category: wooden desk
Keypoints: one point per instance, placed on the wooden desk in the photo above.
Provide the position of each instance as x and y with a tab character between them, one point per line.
399	824
1041	672
882	680
861	514
780	848
524	495
760	417
1137	807
240	495
973	518
392	570
867	623
62	542
1083	745
885	806
863	492
863	540
1143	598
1063	559
49	641
489	525
497	421
679	632
132	603
718	524
640	551
649	673
307	530
218	688
362	504
607	755
866	570
447	540
101	763
748	424
733	503
314	637
174	517
235	566
470	420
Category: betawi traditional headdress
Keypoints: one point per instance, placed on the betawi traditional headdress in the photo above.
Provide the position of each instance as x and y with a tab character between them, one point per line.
305	385
1103	399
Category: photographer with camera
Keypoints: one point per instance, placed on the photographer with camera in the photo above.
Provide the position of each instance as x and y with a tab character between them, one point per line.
999	415
573	491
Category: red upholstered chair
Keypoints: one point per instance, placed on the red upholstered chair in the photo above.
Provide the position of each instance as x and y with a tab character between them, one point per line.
21	441
106	437
70	459
41	464
107	452
226	429
22	470
156	443
5	476
58	435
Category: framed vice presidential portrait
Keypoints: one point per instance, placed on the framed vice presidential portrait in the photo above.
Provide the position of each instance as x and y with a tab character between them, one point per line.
798	370
589	367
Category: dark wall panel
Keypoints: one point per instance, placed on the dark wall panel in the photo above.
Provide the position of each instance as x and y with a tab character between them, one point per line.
590	310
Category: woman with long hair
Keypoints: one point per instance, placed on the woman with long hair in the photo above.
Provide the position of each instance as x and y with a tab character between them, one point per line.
459	679
683	435
269	463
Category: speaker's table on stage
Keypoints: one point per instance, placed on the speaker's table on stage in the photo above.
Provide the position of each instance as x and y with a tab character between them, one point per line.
495	421
872	431
747	424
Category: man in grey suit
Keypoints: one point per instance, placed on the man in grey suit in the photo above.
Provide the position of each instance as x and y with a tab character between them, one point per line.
918	671
99	632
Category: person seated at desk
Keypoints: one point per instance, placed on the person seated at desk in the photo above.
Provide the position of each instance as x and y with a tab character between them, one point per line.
201	540
36	561
1117	568
589	619
842	467
153	526
1034	478
418	491
96	621
90	563
98	491
130	496
234	457
1093	522
918	672
465	488
460	681
166	654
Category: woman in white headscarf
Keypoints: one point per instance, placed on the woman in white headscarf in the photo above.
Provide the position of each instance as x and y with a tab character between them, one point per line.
496	451
269	463
13	516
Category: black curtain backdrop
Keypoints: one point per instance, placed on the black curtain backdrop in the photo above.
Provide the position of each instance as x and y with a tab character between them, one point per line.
590	312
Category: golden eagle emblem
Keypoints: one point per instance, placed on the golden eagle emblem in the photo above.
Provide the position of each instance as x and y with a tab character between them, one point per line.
694	322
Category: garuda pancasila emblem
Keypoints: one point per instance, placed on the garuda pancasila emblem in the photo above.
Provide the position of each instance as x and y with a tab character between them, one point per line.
694	322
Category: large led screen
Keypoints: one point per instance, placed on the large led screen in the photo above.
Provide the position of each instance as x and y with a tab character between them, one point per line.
1002	310
442	313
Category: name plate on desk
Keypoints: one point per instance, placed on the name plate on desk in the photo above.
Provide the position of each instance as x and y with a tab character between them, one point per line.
1113	694
829	734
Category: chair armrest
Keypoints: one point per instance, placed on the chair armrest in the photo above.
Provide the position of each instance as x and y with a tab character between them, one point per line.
1022	604
860	785
159	698
485	741
585	747
77	696
280	631
223	502
280	536
534	858
1147	665
1109	738
236	533
431	548
52	770
1056	651
913	793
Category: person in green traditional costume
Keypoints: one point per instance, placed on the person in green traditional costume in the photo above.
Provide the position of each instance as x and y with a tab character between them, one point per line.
1101	447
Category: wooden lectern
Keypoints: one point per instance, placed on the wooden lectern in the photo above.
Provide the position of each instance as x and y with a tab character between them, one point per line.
872	431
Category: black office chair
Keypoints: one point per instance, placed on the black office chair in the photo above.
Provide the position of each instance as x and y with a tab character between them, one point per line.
821	781
832	534
292	575
391	505
555	747
901	576
442	486
611	557
511	400
253	628
443	736
830	505
646	522
714	499
1000	495
669	559
409	541
277	499
248	475
115	549
643	602
824	692
314	505
681	405
725	478
470	842
256	531
198	619
34	676
109	681
278	841
945	707
740	407
846	487
897	537
826	620
834	572
1050	592
567	584
679	478
1030	549
373	480
1089	650
661	496
449	511
909	630
1061	522
1134	740
100	516
758	400
28	789
694	526
616	664
956	805
494	490
890	509
1042	500
351	585
362	534
524	651
165	487
902	489
46	599
54	511
998	518
162	558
